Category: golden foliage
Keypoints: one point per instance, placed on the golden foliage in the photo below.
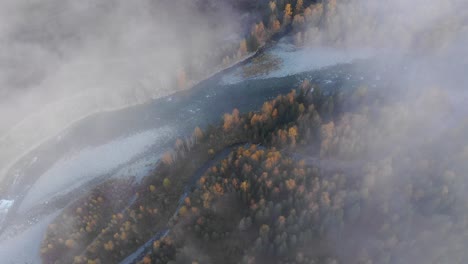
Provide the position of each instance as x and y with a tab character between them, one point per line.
183	210
288	10
211	151
275	26
301	108
166	183
244	186
242	48
258	31
256	119
298	21
109	246
299	6
264	230
202	180
287	15
146	260
181	79
187	201
305	85
218	189
70	243
231	120
156	244
313	14
267	108
179	144
272	6
167	158
207	197
307	13
326	133
275	113
198	133
290	184
228	120
291	96
292	132
272	159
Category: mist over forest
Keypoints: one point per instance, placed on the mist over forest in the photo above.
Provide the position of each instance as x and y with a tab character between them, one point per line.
282	131
63	60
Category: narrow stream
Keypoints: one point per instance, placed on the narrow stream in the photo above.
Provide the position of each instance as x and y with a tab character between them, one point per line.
145	248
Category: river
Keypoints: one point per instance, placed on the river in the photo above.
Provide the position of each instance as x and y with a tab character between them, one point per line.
128	142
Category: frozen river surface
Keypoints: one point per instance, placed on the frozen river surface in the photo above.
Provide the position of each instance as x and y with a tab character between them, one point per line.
128	142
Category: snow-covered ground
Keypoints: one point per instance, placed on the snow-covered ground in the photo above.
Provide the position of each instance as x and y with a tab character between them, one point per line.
5	206
76	170
54	118
83	166
140	168
297	60
24	248
18	245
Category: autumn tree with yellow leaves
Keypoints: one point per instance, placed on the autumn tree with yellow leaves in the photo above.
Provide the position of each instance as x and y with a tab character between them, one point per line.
288	12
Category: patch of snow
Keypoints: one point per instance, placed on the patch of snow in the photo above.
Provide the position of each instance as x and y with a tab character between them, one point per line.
193	111
140	168
5	206
15	178
34	160
298	60
72	172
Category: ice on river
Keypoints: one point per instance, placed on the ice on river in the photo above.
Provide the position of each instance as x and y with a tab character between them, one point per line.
25	246
74	171
297	60
5	206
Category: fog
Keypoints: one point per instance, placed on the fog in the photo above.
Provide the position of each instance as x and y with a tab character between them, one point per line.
413	27
413	138
63	60
68	174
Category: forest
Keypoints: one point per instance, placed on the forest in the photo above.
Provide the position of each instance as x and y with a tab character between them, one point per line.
298	181
268	20
314	176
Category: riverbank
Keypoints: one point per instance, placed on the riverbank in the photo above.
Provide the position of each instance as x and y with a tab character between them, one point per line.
186	107
182	112
15	154
158	193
